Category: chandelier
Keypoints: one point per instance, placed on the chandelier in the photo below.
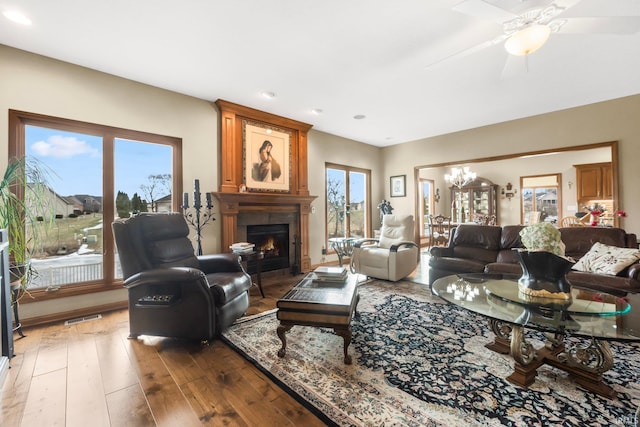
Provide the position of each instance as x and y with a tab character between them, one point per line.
460	177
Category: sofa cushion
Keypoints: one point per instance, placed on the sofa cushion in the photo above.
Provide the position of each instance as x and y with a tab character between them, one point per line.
503	268
459	265
507	256
477	242
479	236
395	229
606	259
578	240
510	237
479	254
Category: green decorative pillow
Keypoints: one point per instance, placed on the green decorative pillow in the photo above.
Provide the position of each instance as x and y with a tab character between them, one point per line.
605	259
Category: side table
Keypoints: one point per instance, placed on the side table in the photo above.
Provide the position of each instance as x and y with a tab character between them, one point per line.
343	246
256	256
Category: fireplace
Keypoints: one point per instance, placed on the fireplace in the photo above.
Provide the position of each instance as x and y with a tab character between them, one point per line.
240	205
273	240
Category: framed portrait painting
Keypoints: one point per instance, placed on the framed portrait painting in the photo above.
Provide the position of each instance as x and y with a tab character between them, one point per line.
266	157
398	186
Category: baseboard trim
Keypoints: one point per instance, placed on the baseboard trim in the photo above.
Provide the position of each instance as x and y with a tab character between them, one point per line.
72	314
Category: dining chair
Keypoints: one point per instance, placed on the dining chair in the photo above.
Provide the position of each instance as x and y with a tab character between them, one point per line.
571	221
440	229
532	218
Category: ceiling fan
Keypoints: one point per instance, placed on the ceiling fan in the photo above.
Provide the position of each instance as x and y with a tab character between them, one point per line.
527	24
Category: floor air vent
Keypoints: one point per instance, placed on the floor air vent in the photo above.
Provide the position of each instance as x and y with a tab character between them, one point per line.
82	319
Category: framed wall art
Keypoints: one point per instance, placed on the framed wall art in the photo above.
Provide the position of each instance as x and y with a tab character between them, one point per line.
398	186
266	157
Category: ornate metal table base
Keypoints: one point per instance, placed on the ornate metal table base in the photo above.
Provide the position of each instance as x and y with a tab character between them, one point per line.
343	246
586	364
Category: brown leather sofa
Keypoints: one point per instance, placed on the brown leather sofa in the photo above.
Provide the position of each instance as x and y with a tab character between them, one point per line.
482	248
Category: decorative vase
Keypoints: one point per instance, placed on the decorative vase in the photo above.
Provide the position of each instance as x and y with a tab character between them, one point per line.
544	275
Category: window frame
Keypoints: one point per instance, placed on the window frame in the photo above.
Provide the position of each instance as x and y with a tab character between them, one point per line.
347	170
424	227
557	186
18	120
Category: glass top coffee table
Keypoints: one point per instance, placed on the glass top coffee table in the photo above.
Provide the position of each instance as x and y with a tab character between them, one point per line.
343	246
598	317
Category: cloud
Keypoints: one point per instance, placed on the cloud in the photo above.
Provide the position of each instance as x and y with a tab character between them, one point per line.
63	147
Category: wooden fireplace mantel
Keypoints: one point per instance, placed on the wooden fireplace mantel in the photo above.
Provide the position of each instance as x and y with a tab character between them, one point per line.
232	175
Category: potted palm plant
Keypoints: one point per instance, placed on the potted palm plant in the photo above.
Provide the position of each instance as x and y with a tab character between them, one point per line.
24	199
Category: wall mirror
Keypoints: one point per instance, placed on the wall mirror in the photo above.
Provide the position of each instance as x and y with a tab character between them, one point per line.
505	169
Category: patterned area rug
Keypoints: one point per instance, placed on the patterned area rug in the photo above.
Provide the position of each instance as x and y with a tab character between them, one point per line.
419	362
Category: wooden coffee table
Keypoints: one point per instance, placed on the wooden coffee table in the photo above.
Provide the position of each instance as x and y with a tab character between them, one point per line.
311	303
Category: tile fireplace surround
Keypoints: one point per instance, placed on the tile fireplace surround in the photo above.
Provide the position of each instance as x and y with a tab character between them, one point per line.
240	209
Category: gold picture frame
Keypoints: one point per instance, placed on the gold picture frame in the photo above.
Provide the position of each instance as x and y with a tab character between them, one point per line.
266	156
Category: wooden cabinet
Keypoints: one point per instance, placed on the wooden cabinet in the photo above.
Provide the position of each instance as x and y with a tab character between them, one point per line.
594	181
478	197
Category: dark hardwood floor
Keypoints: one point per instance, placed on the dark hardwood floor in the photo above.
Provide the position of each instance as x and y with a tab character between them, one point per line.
90	374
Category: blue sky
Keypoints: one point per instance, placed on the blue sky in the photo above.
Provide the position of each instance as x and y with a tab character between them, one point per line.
356	181
77	161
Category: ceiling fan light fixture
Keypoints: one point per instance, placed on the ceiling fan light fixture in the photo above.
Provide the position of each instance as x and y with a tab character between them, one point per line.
527	40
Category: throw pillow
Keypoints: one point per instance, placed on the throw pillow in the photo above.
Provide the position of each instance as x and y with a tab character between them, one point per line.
605	259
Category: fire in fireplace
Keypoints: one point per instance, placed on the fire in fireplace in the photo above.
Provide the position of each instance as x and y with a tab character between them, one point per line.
273	240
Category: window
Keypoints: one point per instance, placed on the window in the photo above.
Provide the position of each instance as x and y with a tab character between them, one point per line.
98	174
540	197
426	194
347	200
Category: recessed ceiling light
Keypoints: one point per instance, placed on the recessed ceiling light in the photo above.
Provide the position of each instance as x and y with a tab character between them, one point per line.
316	111
18	17
268	95
359	116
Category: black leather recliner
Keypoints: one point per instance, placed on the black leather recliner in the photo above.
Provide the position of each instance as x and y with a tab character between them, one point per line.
172	292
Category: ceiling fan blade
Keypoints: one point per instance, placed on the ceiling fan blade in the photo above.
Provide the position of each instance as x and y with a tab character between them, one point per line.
466	52
514	66
566	4
505	10
601	25
483	10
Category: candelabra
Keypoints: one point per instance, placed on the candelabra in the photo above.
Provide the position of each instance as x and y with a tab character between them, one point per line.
194	216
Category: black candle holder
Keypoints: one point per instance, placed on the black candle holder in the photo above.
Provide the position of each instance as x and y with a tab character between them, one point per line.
195	216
